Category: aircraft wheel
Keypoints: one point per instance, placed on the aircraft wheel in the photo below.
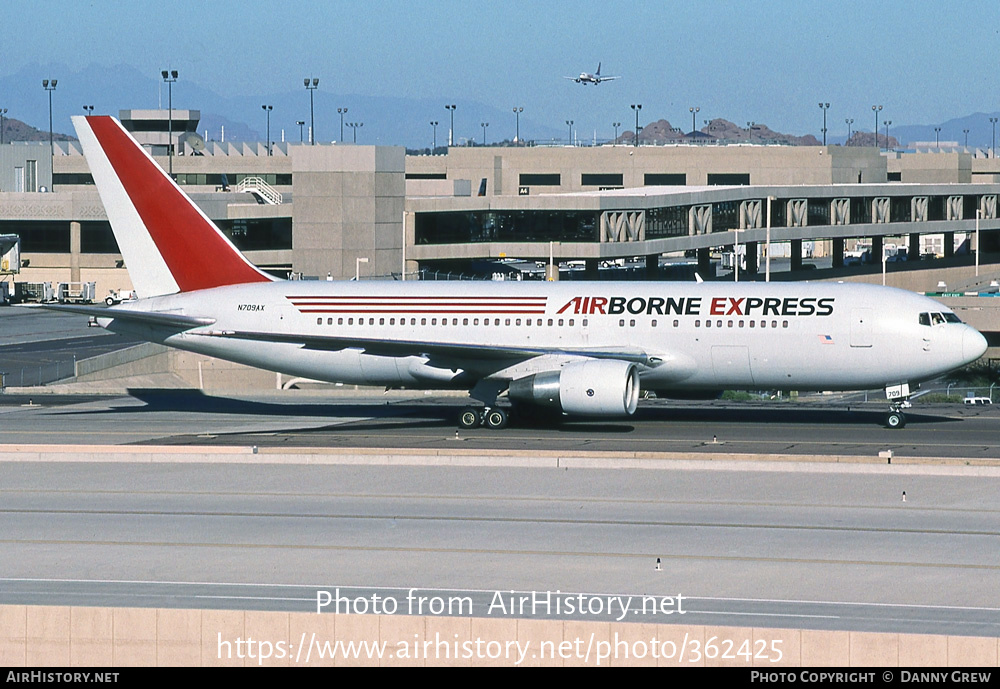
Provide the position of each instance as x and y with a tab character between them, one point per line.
495	419
895	419
469	418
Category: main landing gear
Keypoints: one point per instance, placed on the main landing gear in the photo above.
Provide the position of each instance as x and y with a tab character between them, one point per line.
489	416
493	418
895	418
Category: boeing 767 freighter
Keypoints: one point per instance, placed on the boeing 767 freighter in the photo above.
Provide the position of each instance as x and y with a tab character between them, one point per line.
580	348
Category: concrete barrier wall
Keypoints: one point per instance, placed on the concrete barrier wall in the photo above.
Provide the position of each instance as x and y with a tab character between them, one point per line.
136	360
232	454
36	636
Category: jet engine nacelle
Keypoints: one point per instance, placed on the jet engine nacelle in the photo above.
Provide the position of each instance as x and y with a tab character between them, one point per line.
593	388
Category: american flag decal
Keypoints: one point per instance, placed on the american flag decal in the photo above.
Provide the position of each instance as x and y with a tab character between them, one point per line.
443	305
825	339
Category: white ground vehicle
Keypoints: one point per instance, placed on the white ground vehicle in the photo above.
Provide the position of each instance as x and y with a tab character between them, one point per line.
118	296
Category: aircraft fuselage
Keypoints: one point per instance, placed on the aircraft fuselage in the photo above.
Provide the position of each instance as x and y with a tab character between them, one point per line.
801	336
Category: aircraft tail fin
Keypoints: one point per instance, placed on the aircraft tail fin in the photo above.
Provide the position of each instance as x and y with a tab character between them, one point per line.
168	243
598	72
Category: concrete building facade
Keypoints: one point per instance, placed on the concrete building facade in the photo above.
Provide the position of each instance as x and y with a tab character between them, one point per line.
334	210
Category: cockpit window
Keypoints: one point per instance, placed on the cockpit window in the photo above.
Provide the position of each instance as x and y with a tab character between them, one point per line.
938	318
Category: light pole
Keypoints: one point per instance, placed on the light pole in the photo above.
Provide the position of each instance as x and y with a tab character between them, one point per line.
993	146
170	77
3	111
484	125
517	125
312	86
451	132
636	107
848	122
357	263
937	137
570	123
434	145
694	113
616	125
888	123
355	126
267	109
966	137
750	126
876	109
50	89
824	107
89	109
979	214
341	112
300	123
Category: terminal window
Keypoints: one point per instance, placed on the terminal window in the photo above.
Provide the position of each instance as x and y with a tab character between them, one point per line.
540	179
665	179
426	175
596	179
96	237
40	237
728	178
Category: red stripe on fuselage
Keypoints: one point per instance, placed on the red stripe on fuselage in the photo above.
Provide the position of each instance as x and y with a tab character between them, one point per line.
197	255
428	297
438	311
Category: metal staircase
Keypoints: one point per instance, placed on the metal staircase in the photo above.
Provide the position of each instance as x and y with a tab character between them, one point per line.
261	190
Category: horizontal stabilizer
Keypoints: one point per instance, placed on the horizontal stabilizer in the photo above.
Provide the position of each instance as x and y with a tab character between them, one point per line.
173	320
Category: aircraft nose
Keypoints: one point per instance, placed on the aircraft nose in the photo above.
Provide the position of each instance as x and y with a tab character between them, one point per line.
973	345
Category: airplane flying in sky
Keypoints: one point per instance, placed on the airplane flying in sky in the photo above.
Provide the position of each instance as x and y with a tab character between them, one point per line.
579	348
588	78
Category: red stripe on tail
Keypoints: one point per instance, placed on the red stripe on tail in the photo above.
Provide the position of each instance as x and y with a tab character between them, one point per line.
196	252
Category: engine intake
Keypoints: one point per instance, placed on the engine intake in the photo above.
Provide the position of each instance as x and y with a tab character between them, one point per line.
594	388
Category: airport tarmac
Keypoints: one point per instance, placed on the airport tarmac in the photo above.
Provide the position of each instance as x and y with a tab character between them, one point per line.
742	547
824	426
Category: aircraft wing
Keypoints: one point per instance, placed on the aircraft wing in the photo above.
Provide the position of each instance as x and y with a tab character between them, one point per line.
162	318
609	78
417	347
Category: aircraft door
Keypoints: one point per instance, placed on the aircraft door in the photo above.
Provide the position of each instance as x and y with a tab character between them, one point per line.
731	364
861	327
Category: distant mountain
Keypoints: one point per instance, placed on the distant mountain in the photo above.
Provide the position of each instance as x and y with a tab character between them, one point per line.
387	120
980	134
661	132
16	130
865	139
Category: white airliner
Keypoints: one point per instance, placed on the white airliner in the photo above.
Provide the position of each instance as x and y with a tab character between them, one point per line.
580	348
588	78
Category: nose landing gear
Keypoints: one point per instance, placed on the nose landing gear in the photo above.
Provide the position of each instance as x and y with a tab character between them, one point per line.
898	396
895	418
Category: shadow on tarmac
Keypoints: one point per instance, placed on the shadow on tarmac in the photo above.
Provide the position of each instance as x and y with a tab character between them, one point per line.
441	413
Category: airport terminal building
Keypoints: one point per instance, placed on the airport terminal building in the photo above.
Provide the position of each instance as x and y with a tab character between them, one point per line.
340	210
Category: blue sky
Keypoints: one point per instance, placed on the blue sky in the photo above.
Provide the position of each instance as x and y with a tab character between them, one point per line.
770	62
